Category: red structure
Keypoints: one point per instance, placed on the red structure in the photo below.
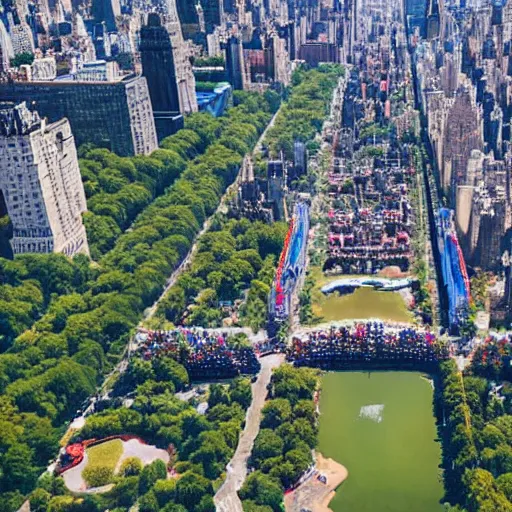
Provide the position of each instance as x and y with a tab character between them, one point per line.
282	260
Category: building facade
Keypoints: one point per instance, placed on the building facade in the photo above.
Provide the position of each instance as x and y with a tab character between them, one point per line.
41	184
116	115
159	70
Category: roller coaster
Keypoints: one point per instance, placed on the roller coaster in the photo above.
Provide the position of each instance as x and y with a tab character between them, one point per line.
292	263
453	267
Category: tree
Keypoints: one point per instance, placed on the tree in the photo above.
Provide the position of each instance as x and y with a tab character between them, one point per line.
125	492
173	507
165	491
504	483
251	506
140	371
169	370
482	493
19	471
23	58
300	461
39	500
263	490
240	391
305	432
132	466
305	409
191	488
492	437
285	472
276	412
150	474
218	395
212	453
267	444
205	505
148	503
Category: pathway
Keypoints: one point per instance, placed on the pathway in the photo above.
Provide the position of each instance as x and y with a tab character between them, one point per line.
150	312
226	499
122	366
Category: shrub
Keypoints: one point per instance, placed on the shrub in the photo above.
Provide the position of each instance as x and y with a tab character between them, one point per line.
131	466
96	476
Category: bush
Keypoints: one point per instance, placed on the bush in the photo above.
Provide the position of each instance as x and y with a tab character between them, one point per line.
131	466
96	476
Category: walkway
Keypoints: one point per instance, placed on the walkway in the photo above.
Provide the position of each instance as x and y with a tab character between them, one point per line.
226	499
150	312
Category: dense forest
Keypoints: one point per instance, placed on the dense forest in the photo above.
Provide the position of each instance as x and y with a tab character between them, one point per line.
282	450
63	324
475	410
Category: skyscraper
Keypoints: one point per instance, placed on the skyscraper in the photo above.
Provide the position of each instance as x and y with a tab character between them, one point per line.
212	14
181	51
41	184
234	63
106	10
187	11
159	70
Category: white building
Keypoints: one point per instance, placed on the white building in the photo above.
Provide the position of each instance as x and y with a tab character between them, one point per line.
41	184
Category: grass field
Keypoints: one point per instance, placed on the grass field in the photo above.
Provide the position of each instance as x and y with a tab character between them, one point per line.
363	303
102	460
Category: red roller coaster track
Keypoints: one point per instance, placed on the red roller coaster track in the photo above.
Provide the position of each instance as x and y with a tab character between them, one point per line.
462	265
280	267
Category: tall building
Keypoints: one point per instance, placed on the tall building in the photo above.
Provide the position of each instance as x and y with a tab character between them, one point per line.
181	52
235	63
106	11
41	184
212	14
187	11
116	115
158	68
6	50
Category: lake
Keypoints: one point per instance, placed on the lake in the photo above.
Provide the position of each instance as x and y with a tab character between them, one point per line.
381	427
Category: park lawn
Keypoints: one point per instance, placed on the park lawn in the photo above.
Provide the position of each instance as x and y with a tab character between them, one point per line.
102	461
363	303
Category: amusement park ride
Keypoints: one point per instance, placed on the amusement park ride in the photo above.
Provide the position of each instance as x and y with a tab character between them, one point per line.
292	263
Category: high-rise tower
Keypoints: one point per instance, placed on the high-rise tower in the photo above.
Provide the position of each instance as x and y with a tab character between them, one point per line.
106	11
235	63
41	184
159	69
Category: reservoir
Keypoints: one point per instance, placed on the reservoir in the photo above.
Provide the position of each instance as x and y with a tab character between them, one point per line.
381	427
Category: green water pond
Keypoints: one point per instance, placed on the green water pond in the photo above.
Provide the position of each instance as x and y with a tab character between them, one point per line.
362	303
381	427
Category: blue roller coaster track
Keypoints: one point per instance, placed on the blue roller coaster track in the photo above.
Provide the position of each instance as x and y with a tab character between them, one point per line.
453	269
294	265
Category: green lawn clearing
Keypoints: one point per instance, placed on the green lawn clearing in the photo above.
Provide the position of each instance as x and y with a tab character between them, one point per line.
102	460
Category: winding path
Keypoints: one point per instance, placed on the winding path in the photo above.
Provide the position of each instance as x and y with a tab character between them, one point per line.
226	499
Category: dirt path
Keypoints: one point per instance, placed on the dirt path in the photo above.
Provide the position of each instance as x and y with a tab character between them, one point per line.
314	495
150	312
226	499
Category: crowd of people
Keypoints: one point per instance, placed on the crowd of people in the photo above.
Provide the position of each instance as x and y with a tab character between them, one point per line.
205	355
370	342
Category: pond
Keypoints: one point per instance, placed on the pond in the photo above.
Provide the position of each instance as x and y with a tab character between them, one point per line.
362	303
381	427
